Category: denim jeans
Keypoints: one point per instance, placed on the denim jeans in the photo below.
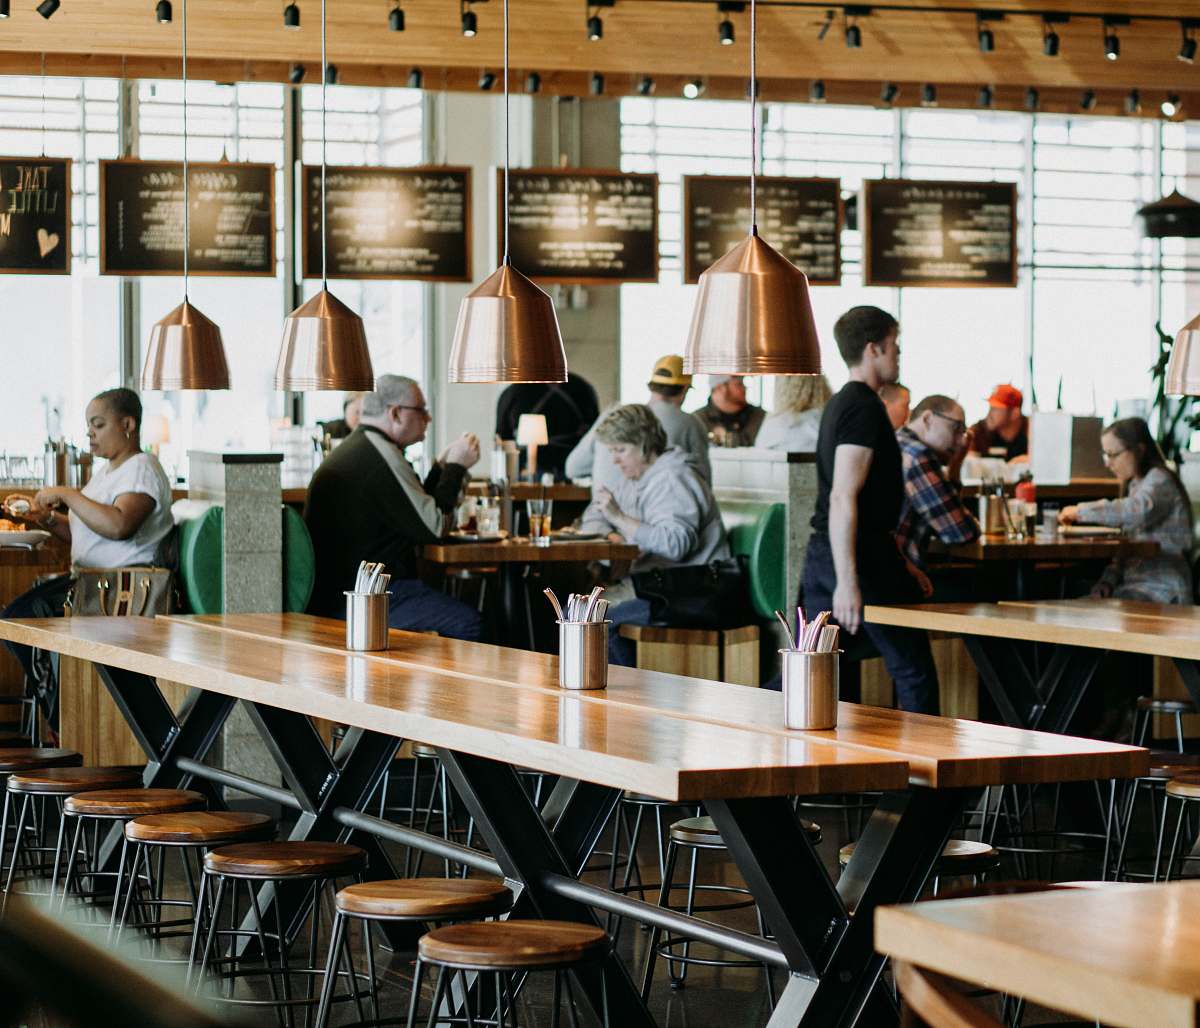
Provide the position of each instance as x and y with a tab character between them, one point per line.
44	600
417	608
905	651
623	652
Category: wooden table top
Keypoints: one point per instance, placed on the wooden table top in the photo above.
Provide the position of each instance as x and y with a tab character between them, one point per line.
1121	956
1061	547
940	752
1089	623
560	733
523	551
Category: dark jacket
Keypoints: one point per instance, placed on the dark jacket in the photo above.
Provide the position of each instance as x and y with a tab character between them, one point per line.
570	408
357	510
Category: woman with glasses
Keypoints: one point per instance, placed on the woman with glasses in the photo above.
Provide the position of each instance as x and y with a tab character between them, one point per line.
1154	506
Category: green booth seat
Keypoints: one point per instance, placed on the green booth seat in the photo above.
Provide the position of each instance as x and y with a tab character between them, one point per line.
202	554
759	532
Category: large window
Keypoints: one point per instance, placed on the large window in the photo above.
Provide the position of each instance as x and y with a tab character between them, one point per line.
1090	288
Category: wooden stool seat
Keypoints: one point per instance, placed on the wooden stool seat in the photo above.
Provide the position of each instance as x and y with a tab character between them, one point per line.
426	899
63	781
701	831
1157	705
513	945
1186	787
285	860
959	857
27	758
133	802
420	749
1170	764
200	827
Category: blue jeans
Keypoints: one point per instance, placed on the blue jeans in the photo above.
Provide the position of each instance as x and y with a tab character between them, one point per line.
623	652
417	608
44	600
905	651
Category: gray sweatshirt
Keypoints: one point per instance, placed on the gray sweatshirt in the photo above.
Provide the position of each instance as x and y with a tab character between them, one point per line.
684	431
681	523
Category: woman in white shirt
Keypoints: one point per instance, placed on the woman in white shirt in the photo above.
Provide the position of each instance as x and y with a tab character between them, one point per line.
119	519
794	422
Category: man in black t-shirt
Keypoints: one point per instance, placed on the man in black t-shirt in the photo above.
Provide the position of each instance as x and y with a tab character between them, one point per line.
852	557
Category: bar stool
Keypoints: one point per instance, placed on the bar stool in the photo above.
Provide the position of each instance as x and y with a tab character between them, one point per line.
112	806
504	948
1164	766
1185	789
311	865
432	901
1148	706
696	834
189	833
15	759
35	790
439	789
961	858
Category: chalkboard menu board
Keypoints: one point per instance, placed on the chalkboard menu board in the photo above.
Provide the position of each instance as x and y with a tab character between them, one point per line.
579	225
799	217
939	233
35	216
410	223
232	215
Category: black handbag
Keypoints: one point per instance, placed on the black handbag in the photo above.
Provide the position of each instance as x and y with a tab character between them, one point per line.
713	595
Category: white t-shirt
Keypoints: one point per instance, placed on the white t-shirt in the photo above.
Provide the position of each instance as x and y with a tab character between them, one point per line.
141	473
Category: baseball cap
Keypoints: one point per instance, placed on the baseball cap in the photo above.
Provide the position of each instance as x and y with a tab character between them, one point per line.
1006	396
668	371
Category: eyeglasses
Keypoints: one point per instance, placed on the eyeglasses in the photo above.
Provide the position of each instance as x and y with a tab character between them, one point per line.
1107	457
423	411
960	426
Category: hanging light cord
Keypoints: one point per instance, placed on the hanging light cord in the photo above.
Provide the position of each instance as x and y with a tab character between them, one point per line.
43	103
506	159
753	118
186	212
324	87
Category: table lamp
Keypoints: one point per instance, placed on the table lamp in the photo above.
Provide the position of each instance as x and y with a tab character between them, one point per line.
531	433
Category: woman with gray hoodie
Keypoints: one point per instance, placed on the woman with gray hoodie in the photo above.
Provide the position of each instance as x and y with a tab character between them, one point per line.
660	504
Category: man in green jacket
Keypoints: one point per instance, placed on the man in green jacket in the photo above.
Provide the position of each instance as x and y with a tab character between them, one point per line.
366	502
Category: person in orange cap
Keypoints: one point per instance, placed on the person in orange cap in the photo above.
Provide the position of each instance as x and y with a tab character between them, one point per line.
1005	430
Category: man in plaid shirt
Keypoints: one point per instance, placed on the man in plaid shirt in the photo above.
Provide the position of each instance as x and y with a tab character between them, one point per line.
935	435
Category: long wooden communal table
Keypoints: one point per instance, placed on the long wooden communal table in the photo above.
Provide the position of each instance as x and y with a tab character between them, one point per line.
1123	955
1081	631
946	760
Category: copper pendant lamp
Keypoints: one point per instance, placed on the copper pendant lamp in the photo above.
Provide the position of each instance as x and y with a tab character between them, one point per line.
185	349
324	342
1183	370
507	329
753	315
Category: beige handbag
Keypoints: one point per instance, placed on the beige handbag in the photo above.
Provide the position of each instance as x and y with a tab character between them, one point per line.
120	592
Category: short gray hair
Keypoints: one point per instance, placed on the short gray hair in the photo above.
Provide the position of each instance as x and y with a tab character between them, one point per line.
634	424
390	391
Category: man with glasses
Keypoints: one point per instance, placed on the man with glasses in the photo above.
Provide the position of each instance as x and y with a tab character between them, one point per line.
932	447
366	502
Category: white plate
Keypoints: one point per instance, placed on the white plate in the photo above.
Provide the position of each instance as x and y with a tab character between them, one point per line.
31	538
475	537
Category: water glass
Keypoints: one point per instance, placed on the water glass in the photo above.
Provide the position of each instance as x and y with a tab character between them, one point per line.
487	516
1016	519
539	520
1048	528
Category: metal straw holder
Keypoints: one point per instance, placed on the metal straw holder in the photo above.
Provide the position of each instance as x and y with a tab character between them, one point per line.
367	621
810	689
583	654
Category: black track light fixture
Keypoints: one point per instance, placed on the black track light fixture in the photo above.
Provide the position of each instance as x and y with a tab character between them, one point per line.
1171	106
929	95
889	92
396	19
486	81
1133	102
597	84
415	79
162	12
987	39
470	24
3	8
1187	46
1087	102
1050	42
291	16
693	89
645	86
533	82
595	28
47	8
985	97
331	74
853	37
296	74
1032	99
1112	42
816	92
725	32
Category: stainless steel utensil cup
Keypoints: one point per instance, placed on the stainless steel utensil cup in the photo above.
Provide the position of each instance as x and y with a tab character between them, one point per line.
810	689
367	621
583	654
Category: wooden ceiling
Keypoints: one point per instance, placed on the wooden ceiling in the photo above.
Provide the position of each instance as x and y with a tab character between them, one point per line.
671	40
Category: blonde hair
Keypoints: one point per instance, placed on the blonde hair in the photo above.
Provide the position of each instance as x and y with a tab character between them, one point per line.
795	394
634	424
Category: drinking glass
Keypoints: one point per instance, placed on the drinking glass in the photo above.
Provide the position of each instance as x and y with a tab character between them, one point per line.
487	516
539	521
1048	528
1016	519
